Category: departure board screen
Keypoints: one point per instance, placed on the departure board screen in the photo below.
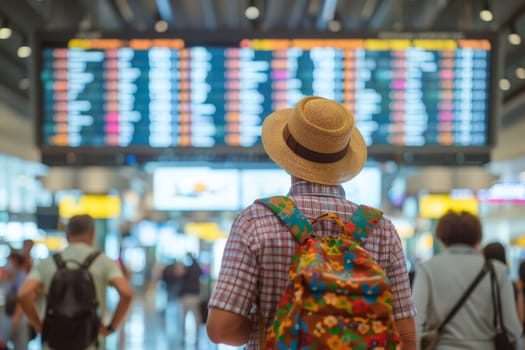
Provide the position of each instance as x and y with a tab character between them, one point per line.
163	93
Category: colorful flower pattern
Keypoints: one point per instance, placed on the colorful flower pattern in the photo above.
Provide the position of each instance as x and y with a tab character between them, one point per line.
338	296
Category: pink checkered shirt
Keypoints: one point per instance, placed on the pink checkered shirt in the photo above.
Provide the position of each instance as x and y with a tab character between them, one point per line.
257	256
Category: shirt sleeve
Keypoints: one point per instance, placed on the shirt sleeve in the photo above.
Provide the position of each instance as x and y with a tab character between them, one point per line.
397	273
236	286
508	304
113	269
421	298
37	272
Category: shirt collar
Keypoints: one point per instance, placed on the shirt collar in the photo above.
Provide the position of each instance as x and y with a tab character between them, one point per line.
310	188
462	249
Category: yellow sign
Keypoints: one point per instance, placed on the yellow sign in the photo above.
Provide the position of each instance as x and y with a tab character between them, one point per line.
98	206
433	206
207	231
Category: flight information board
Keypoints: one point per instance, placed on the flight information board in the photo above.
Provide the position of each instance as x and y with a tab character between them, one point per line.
162	93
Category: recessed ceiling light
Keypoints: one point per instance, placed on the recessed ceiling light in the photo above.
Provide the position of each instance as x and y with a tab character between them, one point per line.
520	72
514	38
161	26
486	14
24	51
23	84
252	12
5	32
334	25
504	84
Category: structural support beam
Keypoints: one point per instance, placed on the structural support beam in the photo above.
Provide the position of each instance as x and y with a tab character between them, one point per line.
381	13
433	13
297	14
210	20
165	10
327	14
514	17
23	14
14	99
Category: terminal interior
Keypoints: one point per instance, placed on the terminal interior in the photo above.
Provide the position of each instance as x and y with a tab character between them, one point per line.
147	114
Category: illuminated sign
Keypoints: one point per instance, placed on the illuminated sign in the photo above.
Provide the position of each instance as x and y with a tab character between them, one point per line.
502	193
164	93
98	206
434	206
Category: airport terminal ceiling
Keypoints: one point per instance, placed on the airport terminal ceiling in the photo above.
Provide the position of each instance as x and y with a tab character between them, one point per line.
32	20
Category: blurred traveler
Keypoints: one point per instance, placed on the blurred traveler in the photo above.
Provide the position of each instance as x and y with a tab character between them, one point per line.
520	282
441	281
80	233
318	144
172	275
27	246
190	298
14	326
496	251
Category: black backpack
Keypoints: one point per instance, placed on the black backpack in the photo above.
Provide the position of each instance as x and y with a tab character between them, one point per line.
71	320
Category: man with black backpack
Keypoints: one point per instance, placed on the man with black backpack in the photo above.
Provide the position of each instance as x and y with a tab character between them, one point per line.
74	284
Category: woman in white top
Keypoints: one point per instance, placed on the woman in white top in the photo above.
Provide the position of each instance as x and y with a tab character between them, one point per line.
441	281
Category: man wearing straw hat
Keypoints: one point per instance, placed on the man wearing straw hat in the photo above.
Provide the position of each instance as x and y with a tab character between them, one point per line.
318	144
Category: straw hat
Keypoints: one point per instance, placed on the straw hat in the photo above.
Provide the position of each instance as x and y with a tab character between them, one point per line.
316	141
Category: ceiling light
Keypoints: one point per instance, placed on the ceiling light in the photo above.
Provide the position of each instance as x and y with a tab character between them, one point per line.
252	12
486	14
5	30
334	25
161	26
23	84
504	84
5	33
520	72
514	37
24	51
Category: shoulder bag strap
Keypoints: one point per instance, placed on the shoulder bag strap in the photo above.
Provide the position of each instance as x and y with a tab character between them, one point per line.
362	223
289	215
298	225
496	300
484	269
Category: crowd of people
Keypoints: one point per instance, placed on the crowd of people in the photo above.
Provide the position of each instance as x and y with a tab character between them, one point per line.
182	280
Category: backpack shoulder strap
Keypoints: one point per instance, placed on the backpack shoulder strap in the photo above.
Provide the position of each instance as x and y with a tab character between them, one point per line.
59	262
289	215
89	260
363	222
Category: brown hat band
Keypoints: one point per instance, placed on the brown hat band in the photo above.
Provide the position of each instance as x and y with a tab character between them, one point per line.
310	155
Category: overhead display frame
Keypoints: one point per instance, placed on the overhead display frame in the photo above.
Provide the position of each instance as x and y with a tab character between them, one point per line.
412	93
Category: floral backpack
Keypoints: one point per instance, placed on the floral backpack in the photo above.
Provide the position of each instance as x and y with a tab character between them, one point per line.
337	296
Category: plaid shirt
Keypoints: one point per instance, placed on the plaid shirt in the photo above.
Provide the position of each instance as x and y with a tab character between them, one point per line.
257	256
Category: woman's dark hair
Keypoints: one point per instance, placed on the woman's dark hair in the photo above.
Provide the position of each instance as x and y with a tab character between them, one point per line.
495	251
459	228
521	271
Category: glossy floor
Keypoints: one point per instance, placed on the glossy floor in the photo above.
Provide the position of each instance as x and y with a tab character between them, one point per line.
151	326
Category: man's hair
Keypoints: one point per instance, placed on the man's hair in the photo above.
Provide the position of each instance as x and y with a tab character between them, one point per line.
459	228
79	225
